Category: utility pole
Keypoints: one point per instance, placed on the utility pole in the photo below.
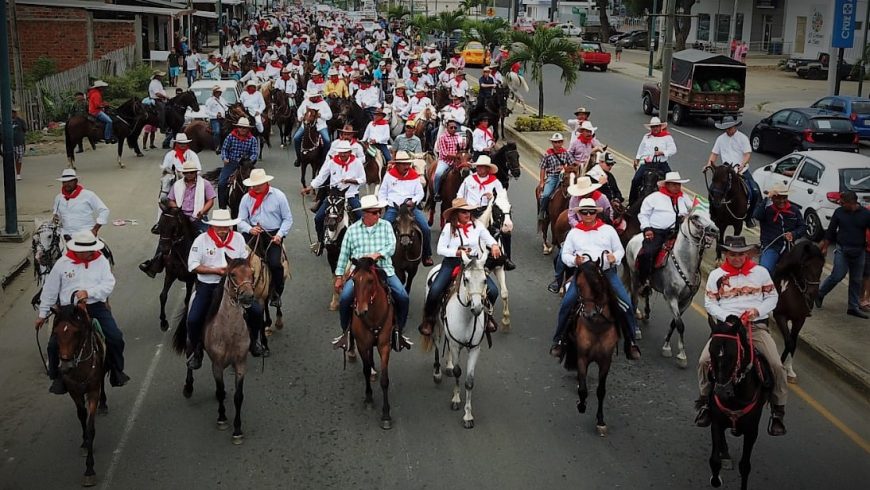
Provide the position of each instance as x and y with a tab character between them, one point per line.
652	28
864	51
16	54
667	59
10	232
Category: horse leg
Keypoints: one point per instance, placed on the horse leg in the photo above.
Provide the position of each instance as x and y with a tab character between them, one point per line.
601	391
468	418
717	434
267	318
279	318
168	279
238	398
220	394
384	351
745	464
410	280
666	347
582	390
682	360
796	326
188	384
82	414
90	477
120	151
457	372
503	289
436	367
103	407
366	354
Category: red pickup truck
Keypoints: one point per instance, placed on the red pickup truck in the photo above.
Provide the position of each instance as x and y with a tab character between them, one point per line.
592	55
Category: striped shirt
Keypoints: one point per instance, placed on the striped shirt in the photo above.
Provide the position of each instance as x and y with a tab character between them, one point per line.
361	240
235	149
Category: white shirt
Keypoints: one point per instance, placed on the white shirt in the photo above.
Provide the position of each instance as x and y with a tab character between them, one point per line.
369	97
192	61
356	150
454	113
593	243
254	103
480	139
735	294
657	212
649	143
273	71
315	87
288	86
395	191
449	242
399	105
335	172
416	106
66	278
380	133
155	88
80	213
205	252
324	112
732	148
458	87
474	187
171	164
215	107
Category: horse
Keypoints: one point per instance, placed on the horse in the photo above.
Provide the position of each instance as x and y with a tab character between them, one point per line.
176	238
200	135
507	158
496	217
284	114
346	111
558	203
515	83
679	278
128	120
797	280
312	147
372	327
626	224
598	322
237	111
738	396
237	188
82	365
374	166
495	109
177	106
462	325
440	97
225	338
46	246
263	284
729	199
409	247
335	224
450	183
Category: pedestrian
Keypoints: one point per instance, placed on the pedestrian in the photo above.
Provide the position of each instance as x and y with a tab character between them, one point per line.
19	137
148	132
744	49
618	51
174	67
191	63
848	231
733	49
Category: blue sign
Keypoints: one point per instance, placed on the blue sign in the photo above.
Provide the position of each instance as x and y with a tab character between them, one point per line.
845	12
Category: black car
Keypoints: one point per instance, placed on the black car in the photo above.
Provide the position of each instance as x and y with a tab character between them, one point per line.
621	35
801	129
637	39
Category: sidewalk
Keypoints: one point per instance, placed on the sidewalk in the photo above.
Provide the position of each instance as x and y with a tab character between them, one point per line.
836	340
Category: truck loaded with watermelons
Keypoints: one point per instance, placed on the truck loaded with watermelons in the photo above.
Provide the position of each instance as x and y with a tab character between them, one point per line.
702	85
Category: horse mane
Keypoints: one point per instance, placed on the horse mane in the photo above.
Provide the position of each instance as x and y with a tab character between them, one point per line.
796	259
69	313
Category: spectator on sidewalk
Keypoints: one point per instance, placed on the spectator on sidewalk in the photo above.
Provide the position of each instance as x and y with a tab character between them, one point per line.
19	136
174	68
191	63
865	297
848	231
618	52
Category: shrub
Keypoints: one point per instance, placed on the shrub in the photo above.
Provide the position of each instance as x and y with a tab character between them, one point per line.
534	123
133	83
43	67
34	137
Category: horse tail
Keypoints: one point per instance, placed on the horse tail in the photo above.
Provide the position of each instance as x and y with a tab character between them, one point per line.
67	140
179	339
569	359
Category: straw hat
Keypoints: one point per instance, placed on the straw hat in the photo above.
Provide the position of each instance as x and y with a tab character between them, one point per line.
341	146
159	73
222	218
370	202
486	161
99	83
655	121
737	244
68	175
588	126
458	204
411	124
403	157
258	176
84	241
310	94
588	203
582	110
583	186
243	123
778	189
182	139
217	88
557	137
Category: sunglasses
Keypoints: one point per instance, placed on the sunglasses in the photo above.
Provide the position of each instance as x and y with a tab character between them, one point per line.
588	212
372	211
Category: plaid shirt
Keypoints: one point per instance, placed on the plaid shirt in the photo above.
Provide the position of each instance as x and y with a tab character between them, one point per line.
552	162
235	149
448	145
361	240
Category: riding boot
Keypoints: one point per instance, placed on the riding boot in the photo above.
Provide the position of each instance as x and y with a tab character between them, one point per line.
341	342
491	324
194	356
702	405
776	427
632	351
58	387
118	378
256	348
398	341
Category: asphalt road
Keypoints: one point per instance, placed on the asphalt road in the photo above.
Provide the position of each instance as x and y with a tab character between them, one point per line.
303	417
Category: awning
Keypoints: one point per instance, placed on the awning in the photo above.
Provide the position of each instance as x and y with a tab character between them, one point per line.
205	15
105	7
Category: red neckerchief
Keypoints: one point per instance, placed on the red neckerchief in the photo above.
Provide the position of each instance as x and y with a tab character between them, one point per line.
414	78
663	132
411	175
594	226
553	151
419	98
77	261
258	198
285	77
260	68
489	180
732	271
486	131
344	165
72	195
596	195
276	64
458	80
585	139
433	71
221	243
235	133
456	105
668	193
251	90
464	228
179	154
364	86
333	79
786	210
382	122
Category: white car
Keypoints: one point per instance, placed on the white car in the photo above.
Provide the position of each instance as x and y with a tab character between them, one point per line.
815	180
570	30
202	90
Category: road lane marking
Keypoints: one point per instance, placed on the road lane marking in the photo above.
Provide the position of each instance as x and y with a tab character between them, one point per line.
131	419
690	136
590	97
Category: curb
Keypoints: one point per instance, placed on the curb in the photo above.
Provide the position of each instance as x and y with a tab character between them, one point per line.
13	271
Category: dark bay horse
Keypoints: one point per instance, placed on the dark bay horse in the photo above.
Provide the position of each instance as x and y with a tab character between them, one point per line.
738	395
176	238
237	188
558	203
284	115
177	106
128	120
507	158
372	327
312	148
729	199
200	135
82	365
797	280
226	339
409	247
346	111
495	109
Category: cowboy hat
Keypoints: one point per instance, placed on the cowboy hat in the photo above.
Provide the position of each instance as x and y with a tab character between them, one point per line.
487	68
778	189
190	166
430	46
347	128
434	64
728	122
286	69
485	160
411	124
400	85
182	139
582	110
583	186
379	110
258	176
458	204
332	72
243	123
673	177
557	137
68	175
588	203
310	94
370	202
251	83
403	156
158	73
417	69
217	88
655	121
222	218
84	241
341	146
99	83
736	244
588	126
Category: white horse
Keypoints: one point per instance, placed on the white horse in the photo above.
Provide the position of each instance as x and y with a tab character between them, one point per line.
47	246
515	83
679	279
498	213
462	324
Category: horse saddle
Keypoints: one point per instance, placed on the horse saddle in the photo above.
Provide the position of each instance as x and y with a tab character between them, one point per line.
664	253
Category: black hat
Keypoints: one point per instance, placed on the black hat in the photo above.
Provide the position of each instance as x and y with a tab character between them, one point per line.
736	244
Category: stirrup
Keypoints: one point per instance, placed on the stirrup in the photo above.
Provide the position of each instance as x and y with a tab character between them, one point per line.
341	342
703	419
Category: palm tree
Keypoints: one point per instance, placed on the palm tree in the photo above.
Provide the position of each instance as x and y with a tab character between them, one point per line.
544	47
397	12
421	23
448	21
490	33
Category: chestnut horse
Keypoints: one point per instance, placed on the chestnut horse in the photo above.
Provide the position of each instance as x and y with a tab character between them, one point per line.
558	203
450	183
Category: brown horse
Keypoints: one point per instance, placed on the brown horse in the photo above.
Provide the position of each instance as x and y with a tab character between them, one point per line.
409	247
200	135
558	203
263	284
284	114
372	327
82	365
450	183
729	199
225	338
627	225
128	121
176	238
374	166
312	148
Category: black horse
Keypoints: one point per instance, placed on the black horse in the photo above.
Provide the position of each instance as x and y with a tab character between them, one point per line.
495	109
127	120
176	107
507	158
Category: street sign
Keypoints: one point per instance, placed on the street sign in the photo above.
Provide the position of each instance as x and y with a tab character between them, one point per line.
843	35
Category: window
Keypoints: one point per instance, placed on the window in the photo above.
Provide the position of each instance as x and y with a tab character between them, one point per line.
780	118
788	165
811	172
823	104
796	120
703	27
723	28
738	28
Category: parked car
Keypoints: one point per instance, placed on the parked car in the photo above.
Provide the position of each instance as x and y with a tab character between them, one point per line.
637	39
815	180
818	70
202	89
621	35
592	55
569	29
857	109
474	54
524	25
801	129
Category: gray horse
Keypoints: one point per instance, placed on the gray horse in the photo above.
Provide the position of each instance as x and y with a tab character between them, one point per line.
679	279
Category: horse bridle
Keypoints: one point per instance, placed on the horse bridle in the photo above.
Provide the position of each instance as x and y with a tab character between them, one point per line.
236	288
333	215
599	308
737	375
723	202
375	327
315	142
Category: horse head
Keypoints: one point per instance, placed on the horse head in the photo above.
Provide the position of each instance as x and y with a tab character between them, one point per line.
246	165
803	265
72	327
366	285
174	227
240	281
336	215
507	157
46	248
591	281
501	213
406	227
721	183
700	228
472	285
730	357
311	116
186	99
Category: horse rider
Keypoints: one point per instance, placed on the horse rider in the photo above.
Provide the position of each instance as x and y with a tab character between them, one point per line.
374	238
208	259
400	98
287	84
175	159
239	144
655	148
368	96
313	100
83	274
594	238
734	149
462	234
76	208
585	144
482	139
601	173
553	163
158	94
580	114
660	216
445	76
347	133
254	104
418	103
408	141
97	109
458	85
401	187
216	108
335	86
481	187
344	172
377	133
743	289
265	211
455	110
781	224
449	145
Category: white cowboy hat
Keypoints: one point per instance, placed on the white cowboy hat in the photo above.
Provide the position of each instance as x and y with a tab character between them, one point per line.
258	176
217	88
582	110
434	64
68	175
400	85
313	93
99	83
417	69
222	217
583	186
251	83
728	122
557	137
182	139
341	146
485	160
332	72
403	156
286	69
588	126
190	166
243	123
487	68
588	203
655	121
158	73
778	189
431	46
673	177
370	202
84	241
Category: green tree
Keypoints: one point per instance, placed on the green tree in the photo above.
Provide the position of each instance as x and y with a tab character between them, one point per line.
397	12
42	67
544	47
421	23
448	21
489	33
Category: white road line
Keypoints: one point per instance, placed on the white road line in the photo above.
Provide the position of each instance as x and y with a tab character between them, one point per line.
131	420
690	135
590	97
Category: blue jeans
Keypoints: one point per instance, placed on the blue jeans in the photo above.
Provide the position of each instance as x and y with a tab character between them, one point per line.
570	299
199	307
400	301
114	341
386	151
550	185
320	215
390	215
191	76
223	190
297	140
105	119
769	258
851	261
442	281
440	169
216	130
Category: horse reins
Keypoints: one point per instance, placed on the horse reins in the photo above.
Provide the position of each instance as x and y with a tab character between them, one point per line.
738	375
725	202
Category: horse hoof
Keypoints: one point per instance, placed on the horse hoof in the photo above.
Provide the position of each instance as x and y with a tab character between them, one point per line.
638	335
373	377
103	410
140	155
449	372
581	407
187	391
164	325
268	331
279	324
222	425
682	362
369	405
454	406
666	351
89	480
333	307
715	481
791	379
351	356
468	424
727	464
386	424
602	430
437	378
238	439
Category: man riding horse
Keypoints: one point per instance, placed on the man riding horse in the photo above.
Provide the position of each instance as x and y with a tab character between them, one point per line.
76	208
481	187
96	108
733	148
313	101
655	148
781	224
401	187
239	144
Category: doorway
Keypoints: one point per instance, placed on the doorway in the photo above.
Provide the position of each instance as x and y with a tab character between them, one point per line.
800	35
